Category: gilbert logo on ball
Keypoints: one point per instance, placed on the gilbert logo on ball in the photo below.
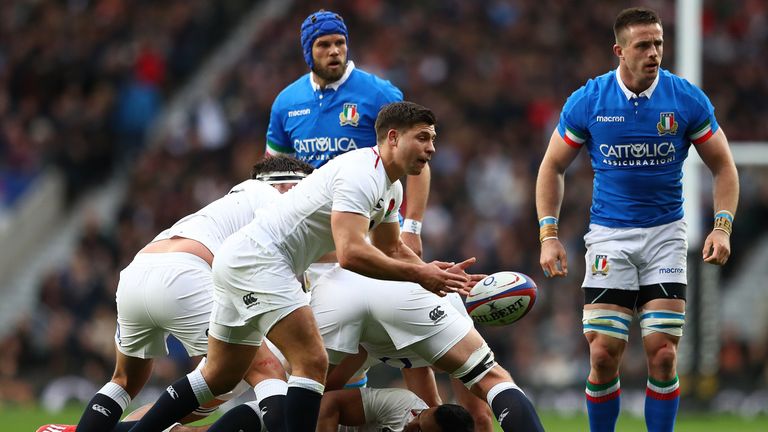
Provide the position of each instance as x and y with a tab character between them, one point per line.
501	298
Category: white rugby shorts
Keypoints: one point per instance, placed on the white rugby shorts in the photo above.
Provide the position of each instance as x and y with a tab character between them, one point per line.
399	323
160	294
254	288
626	258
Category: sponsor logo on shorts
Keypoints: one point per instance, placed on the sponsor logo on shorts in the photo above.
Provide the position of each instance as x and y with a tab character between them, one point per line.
101	410
250	300
600	265
671	270
436	314
172	392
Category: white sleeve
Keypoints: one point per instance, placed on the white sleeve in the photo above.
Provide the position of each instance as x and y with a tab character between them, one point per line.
389	408
354	190
396	195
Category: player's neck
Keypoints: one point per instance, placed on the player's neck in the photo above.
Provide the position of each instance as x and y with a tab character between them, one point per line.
393	170
634	84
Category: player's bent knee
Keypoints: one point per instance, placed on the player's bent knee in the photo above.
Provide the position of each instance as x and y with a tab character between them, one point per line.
662	321
477	366
608	322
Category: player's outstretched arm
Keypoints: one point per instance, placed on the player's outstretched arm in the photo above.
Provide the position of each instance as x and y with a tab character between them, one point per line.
717	156
550	187
357	255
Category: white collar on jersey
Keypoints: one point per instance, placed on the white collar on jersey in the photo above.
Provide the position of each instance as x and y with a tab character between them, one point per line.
628	93
336	84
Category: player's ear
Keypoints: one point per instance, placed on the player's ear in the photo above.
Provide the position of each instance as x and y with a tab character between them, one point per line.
618	51
392	136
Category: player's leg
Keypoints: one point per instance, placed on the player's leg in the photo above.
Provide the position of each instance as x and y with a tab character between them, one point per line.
225	366
106	407
477	407
471	361
297	337
662	321
606	328
661	310
267	376
421	381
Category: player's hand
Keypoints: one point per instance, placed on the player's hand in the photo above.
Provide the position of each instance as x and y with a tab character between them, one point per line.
472	279
717	248
436	278
413	241
553	260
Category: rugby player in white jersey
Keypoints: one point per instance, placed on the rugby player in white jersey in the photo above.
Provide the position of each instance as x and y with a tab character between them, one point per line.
167	289
257	294
403	326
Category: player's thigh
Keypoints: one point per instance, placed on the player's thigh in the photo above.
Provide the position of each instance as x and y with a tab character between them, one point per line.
131	373
297	337
661	322
226	364
460	352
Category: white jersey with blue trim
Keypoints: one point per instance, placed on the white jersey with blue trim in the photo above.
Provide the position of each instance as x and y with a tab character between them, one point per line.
223	217
299	225
637	145
315	125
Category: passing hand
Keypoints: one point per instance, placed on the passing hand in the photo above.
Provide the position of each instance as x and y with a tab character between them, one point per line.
436	278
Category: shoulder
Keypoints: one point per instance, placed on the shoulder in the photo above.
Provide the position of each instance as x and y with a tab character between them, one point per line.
295	92
681	87
382	87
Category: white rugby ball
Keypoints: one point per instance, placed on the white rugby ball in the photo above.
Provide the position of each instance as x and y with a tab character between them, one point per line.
501	298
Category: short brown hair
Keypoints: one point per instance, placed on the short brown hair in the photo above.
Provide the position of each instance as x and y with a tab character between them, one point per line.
280	163
633	16
401	116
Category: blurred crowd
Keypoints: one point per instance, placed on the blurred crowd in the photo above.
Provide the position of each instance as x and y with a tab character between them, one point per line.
496	72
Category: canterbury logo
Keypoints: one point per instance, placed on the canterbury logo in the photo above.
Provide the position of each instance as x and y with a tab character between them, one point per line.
101	410
250	300
503	415
436	314
264	411
172	392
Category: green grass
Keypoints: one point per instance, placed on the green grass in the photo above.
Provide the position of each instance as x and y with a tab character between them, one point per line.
28	419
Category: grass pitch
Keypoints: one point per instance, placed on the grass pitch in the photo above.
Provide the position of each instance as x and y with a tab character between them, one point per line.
28	419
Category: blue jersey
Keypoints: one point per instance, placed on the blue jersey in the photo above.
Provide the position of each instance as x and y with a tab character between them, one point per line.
316	125
637	145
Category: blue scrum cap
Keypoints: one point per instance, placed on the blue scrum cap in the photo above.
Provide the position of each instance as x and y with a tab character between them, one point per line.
318	24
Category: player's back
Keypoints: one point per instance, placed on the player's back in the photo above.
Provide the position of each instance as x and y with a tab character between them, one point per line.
223	217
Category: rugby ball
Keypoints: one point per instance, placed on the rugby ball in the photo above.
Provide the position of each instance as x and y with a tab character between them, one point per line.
501	298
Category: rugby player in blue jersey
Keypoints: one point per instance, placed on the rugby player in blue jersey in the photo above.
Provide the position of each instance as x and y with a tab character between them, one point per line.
637	123
332	109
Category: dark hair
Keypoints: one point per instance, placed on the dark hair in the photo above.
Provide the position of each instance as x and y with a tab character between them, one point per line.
270	164
454	418
633	16
402	116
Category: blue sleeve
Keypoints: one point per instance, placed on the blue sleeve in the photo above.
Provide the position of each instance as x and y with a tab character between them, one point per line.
574	119
702	123
277	140
390	94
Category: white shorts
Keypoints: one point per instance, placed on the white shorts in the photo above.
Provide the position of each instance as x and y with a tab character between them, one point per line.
254	288
392	320
161	294
626	258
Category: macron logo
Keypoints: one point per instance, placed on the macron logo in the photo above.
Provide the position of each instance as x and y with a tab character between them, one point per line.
609	119
172	392
503	415
297	113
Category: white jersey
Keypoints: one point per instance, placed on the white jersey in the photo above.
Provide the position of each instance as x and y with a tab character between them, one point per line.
223	217
354	182
388	409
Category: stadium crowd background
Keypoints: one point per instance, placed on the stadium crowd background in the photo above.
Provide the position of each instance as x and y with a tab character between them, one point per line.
82	81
